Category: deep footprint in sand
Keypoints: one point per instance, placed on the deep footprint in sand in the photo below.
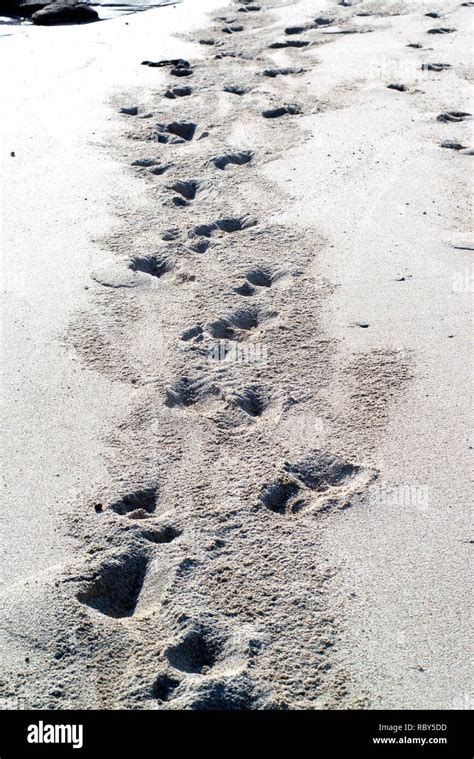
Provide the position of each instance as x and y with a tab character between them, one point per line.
129	110
239	324
289	43
289	108
153	166
232	29
187	392
115	587
250	8
283	496
274	72
160	169
435	66
176	132
452	145
197	653
163	688
253	400
455	116
228	225
178	92
139	504
441	30
398	87
187	191
319	474
258	278
233	159
155	265
236	89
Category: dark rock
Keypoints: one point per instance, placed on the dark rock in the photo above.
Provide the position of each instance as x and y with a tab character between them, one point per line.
62	13
27	9
9	7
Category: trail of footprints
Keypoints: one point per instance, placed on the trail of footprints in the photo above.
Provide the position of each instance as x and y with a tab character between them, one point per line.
317	483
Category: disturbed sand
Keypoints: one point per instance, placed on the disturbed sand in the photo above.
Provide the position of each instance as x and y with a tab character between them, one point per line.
272	351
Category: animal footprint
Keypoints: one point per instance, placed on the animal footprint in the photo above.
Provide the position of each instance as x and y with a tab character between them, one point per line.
233	29
250	8
435	66
235	159
451	145
115	587
175	132
129	110
240	323
252	400
153	166
441	30
282	71
227	225
236	89
178	92
179	66
139	504
454	116
289	108
398	87
197	653
320	479
282	497
187	392
163	687
289	43
259	277
186	191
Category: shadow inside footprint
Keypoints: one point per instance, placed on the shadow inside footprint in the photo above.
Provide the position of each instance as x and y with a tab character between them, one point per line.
286	71
454	116
281	497
435	66
186	190
137	503
155	265
237	159
238	324
441	30
178	92
236	89
288	108
252	400
289	43
197	653
164	687
233	29
115	589
176	131
228	225
165	534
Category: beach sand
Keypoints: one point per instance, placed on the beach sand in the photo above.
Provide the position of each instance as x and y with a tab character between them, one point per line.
237	384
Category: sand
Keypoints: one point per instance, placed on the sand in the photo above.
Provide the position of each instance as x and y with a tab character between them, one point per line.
236	369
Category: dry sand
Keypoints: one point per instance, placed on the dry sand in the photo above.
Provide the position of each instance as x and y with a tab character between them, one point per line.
237	385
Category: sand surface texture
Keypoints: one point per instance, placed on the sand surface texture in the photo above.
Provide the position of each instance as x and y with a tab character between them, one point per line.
237	364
